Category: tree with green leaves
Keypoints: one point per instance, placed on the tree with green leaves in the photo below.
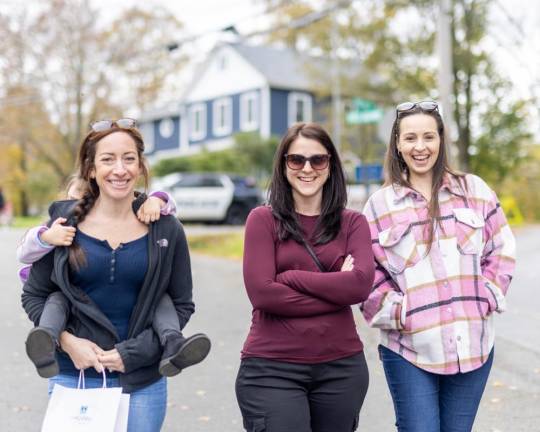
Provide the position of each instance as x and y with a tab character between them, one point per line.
392	47
500	150
257	152
250	155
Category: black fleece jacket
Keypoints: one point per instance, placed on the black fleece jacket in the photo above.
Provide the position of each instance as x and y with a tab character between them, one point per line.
169	271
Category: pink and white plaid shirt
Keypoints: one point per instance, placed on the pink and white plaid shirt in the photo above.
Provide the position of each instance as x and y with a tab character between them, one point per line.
436	310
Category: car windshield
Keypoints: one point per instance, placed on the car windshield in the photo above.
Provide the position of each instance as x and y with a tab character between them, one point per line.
244	181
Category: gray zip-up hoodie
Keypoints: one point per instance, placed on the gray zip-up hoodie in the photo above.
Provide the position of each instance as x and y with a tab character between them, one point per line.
169	271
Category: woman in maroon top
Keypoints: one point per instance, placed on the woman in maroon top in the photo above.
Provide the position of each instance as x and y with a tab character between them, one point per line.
303	368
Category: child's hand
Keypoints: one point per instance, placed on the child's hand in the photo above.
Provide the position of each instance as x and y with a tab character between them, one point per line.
58	234
150	210
348	264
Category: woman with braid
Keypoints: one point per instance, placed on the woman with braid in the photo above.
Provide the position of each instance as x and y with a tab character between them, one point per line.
38	241
128	284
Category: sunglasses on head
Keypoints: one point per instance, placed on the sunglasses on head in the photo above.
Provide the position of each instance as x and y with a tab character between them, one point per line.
297	161
123	123
426	106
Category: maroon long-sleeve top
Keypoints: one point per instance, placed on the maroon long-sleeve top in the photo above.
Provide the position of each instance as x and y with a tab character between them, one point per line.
300	314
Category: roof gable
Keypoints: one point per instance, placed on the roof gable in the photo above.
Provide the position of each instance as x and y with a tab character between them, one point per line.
282	67
224	72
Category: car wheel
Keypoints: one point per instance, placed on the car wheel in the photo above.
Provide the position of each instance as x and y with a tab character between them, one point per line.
236	215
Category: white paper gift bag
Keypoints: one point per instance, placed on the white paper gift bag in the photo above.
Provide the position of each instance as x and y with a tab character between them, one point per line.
123	411
86	410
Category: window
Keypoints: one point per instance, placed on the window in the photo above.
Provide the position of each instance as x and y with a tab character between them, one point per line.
166	127
197	181
211	182
222	121
249	111
197	122
300	109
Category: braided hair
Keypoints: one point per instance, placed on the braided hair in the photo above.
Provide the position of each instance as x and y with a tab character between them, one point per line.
89	186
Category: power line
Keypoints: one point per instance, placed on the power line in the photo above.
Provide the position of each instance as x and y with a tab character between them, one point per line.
176	44
511	19
517	26
305	20
515	42
301	22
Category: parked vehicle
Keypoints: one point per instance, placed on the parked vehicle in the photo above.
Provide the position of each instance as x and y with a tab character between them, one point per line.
211	197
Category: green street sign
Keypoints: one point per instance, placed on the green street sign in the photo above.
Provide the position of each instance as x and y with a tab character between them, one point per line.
363	104
364	117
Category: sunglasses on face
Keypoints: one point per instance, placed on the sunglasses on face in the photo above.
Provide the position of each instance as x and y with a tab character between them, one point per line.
426	106
123	123
297	161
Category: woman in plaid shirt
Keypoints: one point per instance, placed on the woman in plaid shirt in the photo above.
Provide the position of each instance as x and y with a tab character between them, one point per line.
444	260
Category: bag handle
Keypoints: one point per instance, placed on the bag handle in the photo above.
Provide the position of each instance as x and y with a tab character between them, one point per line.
81	379
313	255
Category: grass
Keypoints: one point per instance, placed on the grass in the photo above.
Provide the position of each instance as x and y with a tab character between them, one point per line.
224	245
27	221
227	245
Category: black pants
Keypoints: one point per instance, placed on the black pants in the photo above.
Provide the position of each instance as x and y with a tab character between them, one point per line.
277	396
56	311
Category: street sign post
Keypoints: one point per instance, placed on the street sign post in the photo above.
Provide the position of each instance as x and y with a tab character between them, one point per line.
369	173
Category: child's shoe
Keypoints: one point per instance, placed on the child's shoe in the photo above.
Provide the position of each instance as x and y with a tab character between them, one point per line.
41	349
179	353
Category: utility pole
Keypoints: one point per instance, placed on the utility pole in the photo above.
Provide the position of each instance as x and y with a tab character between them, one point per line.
445	78
336	86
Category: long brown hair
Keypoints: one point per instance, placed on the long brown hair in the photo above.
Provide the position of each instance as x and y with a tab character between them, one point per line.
334	196
397	171
89	187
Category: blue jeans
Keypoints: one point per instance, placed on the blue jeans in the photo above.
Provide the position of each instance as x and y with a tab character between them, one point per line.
429	402
147	406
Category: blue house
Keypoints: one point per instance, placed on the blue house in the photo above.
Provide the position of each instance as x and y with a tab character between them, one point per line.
239	88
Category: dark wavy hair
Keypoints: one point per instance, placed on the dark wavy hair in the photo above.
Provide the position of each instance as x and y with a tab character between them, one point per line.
334	197
397	172
89	187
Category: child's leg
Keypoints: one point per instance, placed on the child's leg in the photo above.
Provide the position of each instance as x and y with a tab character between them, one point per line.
42	340
165	321
178	352
55	314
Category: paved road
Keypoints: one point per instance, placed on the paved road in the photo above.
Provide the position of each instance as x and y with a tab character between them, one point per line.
202	398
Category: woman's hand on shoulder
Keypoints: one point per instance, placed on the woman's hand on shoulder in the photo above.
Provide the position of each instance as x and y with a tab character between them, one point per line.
83	352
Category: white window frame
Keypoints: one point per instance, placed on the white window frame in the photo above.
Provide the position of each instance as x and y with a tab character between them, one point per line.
245	124
196	135
226	128
308	107
147	131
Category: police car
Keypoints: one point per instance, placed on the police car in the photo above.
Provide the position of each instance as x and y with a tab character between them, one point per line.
211	197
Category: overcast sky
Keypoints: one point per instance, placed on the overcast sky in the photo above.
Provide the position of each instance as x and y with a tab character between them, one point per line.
514	37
